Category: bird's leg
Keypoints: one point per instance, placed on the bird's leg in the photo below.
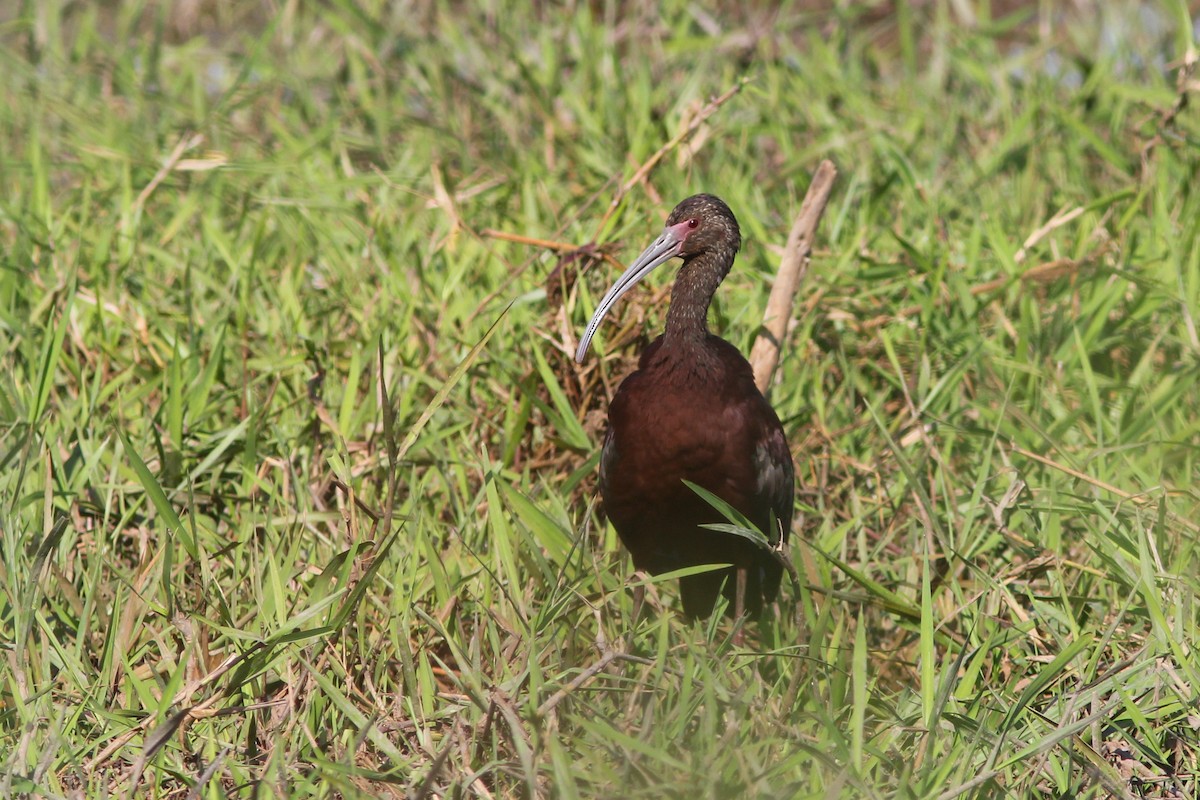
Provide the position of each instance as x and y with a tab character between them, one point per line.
739	605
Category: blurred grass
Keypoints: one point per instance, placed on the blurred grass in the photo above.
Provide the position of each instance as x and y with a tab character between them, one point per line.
273	526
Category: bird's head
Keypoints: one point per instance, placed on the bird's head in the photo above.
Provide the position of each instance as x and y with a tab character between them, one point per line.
701	225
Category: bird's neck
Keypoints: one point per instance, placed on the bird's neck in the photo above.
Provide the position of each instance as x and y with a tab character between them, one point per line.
687	318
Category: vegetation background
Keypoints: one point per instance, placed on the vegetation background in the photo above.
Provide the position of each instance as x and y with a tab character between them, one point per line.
297	484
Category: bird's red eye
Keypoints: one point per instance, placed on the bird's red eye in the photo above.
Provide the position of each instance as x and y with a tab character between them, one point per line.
693	222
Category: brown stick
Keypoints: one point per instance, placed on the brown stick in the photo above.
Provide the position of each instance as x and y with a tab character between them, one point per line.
764	356
185	143
1042	273
545	244
585	676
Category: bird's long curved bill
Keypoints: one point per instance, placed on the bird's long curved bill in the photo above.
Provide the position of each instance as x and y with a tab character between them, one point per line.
664	249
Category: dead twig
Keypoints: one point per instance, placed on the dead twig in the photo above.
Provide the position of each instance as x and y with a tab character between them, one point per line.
185	143
1040	274
592	671
1057	221
1184	85
1140	499
566	248
545	244
764	356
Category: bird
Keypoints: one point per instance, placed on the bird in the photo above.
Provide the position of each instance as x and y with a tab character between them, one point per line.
692	412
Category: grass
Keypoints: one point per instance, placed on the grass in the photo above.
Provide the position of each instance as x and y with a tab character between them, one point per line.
297	489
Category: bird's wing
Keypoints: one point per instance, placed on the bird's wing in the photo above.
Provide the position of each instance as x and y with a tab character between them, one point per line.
776	484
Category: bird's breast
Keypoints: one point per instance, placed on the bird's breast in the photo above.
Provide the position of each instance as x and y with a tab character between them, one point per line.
663	432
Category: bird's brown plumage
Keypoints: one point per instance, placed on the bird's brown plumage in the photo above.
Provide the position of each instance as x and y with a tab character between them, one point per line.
691	412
